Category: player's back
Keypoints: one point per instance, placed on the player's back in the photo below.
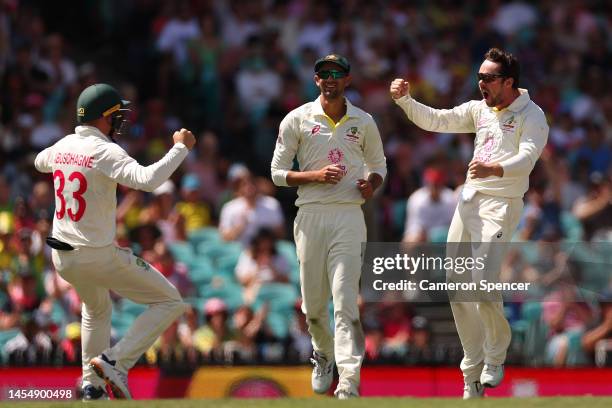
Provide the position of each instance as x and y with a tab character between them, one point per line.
85	198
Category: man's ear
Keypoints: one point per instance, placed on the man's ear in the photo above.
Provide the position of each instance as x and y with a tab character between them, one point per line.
349	78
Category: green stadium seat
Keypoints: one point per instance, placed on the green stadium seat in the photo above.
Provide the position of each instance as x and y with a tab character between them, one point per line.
279	323
571	226
132	309
226	266
58	314
438	235
280	297
182	252
399	215
121	323
206	234
228	291
287	250
536	334
201	271
216	250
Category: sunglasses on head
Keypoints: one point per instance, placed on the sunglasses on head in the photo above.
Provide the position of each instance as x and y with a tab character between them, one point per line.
489	77
331	73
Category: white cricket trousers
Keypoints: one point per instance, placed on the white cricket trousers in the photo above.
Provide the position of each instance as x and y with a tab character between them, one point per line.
482	327
92	272
328	240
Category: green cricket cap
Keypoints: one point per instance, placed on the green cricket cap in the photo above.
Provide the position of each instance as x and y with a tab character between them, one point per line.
337	59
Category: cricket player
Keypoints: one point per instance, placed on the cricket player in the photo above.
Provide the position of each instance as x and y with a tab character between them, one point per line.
511	132
86	168
341	164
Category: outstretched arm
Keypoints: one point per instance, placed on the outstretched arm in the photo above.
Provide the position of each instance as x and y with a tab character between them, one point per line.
119	166
460	119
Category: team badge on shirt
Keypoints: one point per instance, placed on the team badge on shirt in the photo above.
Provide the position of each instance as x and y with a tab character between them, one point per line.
508	125
315	130
352	135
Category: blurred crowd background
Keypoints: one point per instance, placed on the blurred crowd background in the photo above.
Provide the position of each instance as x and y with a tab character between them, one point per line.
219	229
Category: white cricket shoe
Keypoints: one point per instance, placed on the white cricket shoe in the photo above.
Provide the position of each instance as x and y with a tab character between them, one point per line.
322	373
492	375
473	390
112	376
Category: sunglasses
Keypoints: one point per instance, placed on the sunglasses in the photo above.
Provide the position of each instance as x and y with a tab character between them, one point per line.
489	77
331	73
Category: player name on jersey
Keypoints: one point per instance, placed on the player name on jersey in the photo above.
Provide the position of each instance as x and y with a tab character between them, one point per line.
74	159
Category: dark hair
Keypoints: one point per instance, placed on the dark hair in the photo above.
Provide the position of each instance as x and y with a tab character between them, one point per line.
262	235
509	64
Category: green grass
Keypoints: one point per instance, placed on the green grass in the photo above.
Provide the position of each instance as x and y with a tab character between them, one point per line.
557	402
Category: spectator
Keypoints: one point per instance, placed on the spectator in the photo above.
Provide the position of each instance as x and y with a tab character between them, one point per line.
260	264
601	332
567	317
595	150
250	331
168	348
176	272
177	33
257	86
208	166
431	206
191	208
210	338
60	69
71	344
162	212
31	345
419	347
595	208
243	216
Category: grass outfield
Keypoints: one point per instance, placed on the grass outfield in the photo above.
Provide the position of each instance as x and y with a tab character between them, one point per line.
557	402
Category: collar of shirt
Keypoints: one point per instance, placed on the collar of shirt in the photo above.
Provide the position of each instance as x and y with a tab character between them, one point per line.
351	111
90	131
519	103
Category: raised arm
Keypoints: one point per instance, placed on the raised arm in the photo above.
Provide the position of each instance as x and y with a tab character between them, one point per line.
457	120
43	161
119	166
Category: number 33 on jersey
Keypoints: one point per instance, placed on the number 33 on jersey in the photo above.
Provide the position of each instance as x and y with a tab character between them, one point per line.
86	167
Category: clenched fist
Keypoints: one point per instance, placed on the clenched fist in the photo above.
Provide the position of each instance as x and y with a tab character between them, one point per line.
399	87
185	137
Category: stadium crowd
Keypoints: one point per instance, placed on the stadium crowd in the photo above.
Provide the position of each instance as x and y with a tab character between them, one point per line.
221	232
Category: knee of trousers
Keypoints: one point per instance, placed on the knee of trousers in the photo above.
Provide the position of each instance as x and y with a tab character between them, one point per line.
178	306
101	312
343	317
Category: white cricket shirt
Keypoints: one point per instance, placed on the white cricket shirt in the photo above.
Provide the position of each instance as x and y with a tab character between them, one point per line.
514	137
86	168
353	143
